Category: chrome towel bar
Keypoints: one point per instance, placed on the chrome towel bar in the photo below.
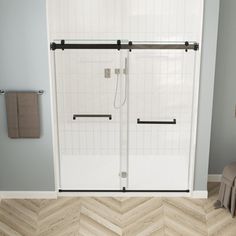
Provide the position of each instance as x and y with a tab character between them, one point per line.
40	92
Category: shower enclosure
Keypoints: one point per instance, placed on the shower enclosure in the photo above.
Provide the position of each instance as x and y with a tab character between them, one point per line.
124	114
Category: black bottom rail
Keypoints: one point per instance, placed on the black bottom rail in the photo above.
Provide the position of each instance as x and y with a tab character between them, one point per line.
157	122
123	191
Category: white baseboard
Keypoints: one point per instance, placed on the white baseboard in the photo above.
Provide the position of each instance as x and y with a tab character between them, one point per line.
54	195
214	178
28	195
121	194
200	194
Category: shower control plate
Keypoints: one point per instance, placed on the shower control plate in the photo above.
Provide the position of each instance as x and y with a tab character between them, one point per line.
123	174
117	71
107	73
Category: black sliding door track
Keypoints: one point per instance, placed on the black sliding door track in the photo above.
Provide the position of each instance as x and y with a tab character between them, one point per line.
123	191
129	46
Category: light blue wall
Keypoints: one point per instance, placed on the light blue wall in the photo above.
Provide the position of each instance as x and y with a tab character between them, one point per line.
210	29
223	136
25	164
28	164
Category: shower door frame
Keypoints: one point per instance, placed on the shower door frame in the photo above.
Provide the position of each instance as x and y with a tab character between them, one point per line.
168	46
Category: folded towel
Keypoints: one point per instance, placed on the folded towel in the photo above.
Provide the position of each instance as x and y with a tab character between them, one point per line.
23	114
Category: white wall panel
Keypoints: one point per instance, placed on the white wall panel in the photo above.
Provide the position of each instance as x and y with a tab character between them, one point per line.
160	20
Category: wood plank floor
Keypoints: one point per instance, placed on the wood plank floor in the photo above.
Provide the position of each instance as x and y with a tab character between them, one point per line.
116	216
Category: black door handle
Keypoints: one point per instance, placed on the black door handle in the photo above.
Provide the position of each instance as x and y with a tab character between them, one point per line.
173	122
91	115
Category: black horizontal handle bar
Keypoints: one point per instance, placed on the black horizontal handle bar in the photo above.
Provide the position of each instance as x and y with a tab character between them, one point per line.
91	115
184	46
157	122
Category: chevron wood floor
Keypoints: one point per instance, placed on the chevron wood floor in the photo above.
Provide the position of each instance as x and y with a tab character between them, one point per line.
116	216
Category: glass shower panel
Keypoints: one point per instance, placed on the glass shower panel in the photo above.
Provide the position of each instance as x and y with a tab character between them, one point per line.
160	118
89	86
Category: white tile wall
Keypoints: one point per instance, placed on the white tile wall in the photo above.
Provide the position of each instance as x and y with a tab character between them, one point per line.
161	88
83	89
161	20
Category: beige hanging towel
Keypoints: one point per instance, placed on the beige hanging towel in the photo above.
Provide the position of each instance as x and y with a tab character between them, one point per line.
12	116
22	114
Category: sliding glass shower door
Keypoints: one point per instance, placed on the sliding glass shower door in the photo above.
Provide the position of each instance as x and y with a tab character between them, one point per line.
160	118
91	100
125	115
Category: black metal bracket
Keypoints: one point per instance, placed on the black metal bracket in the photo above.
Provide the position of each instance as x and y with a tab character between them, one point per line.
196	47
157	122
62	44
92	115
53	46
118	45
186	45
130	45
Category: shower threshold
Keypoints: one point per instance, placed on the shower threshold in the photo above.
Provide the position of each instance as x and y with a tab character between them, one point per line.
123	191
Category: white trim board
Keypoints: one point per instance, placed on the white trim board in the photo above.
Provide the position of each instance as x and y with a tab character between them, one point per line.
214	178
195	194
55	195
28	195
121	194
55	137
200	194
195	105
